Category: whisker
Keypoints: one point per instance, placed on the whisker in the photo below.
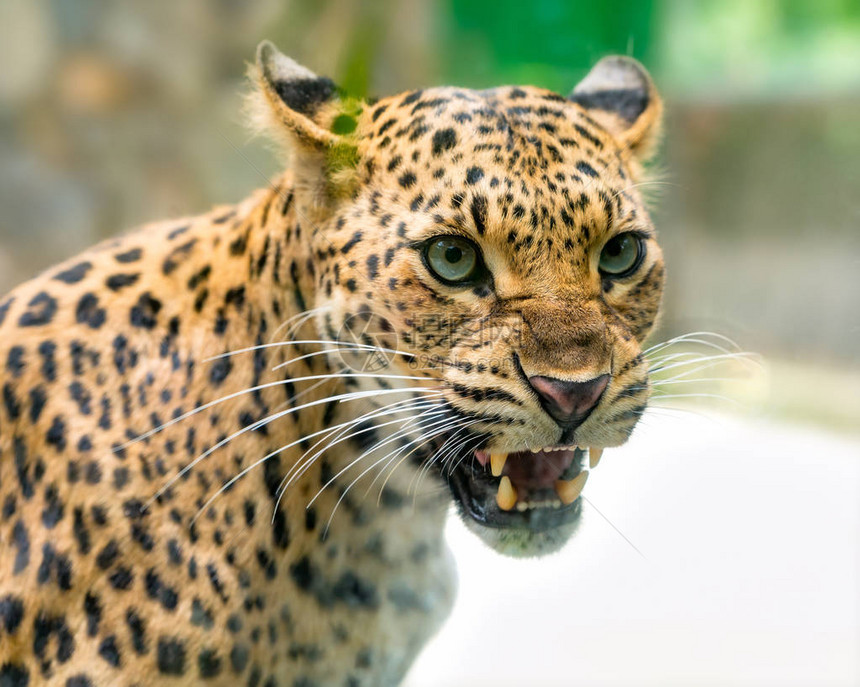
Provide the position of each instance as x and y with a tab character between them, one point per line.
683	338
262	460
260	387
381	472
323	342
741	357
352	396
288	480
394	437
302	467
436	457
364	472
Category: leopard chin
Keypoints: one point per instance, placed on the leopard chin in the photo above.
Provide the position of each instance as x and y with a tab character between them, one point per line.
522	542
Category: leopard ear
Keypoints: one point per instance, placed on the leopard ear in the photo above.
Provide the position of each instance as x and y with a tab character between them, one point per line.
618	93
306	115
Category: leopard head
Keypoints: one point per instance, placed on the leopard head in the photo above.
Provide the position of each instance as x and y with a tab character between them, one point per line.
497	252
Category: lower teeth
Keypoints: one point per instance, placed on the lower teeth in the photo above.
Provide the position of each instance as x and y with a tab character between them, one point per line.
529	505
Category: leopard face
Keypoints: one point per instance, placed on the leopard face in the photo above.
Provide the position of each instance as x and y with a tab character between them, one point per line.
493	247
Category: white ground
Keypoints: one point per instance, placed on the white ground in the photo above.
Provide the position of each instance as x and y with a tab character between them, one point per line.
751	536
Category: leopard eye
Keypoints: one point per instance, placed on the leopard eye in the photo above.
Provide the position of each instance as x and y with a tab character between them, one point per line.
452	259
621	255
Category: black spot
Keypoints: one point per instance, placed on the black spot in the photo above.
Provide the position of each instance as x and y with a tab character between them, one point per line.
208	663
42	309
267	564
99	515
14	675
303	573
474	175
120	477
220	370
305	95
11	401
215	581
15	361
93	609
356	237
53	511
109	651
79	680
407	180
234	623
355	591
56	435
171	656
280	530
239	657
310	518
46	627
81	396
49	363
250	509
174	552
372	266
88	311
22	467
443	140
74	274
93	472
177	256
121	578
120	281
239	245
145	313
132	255
235	297
479	213
82	534
200	615
586	168
11	613
157	589
137	628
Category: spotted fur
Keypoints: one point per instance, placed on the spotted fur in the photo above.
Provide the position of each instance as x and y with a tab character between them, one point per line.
146	355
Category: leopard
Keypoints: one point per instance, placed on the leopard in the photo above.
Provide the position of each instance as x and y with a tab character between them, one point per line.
229	443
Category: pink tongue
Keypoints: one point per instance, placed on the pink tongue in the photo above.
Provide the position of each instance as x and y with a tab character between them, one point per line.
537	470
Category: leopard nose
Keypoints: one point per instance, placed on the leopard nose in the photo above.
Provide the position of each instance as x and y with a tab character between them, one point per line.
569	403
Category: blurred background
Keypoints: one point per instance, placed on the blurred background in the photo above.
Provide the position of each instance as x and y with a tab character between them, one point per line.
113	113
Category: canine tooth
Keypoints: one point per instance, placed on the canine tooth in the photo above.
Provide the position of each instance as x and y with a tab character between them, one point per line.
497	463
569	490
506	496
594	457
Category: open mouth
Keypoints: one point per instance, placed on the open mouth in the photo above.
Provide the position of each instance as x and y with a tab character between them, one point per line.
539	489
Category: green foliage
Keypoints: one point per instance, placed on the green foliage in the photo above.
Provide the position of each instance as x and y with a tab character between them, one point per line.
543	42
